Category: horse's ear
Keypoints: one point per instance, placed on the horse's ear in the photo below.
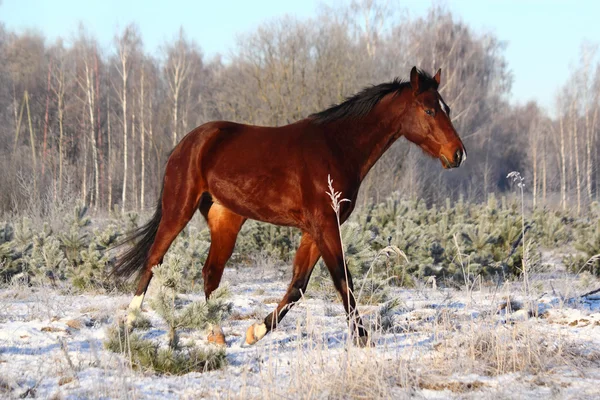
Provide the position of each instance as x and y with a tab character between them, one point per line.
414	79
438	76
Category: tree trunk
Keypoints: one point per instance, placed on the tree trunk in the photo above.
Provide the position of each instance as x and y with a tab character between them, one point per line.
91	98
175	104
544	176
32	140
186	106
592	144
535	165
61	139
46	118
18	124
143	143
151	138
109	156
124	110
133	165
100	199
563	166
85	158
576	143
59	91
18	115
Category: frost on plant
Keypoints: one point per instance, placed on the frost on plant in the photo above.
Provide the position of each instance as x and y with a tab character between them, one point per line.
489	235
177	312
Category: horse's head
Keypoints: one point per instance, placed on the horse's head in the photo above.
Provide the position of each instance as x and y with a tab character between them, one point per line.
429	125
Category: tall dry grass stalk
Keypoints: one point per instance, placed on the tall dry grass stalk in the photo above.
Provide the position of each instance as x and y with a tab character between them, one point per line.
466	271
336	202
520	181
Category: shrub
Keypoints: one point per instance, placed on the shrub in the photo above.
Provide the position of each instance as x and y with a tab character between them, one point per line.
178	313
146	354
488	238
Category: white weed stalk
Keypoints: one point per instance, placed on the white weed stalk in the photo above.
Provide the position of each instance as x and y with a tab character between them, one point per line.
520	181
336	201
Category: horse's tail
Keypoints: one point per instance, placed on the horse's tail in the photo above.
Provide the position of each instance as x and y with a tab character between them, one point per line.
135	258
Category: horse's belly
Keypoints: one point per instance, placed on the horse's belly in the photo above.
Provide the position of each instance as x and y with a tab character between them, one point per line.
275	204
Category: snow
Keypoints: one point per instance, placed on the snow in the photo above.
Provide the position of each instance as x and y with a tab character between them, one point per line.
51	346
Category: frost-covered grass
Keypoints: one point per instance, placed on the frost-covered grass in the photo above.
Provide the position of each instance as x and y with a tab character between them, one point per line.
489	342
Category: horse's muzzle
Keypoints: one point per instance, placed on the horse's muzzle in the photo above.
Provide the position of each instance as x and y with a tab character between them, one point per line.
459	157
457	160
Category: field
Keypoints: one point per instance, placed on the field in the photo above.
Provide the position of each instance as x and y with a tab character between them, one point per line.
449	323
474	282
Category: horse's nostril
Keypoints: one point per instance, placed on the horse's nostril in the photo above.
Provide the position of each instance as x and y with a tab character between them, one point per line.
458	157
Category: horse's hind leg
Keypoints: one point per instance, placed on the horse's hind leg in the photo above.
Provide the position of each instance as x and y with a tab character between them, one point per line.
224	227
304	262
178	207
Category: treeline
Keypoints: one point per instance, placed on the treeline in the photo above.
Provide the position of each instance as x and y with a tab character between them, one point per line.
78	121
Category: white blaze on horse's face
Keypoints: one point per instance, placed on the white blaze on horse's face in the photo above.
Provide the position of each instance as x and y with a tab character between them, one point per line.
444	107
446	111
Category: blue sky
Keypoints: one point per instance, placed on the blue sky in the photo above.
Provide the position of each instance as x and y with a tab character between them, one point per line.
544	37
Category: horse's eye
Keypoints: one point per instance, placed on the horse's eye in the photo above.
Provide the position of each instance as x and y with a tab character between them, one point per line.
430	112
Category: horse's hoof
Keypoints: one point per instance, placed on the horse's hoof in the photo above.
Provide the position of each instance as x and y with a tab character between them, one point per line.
134	309
217	336
255	332
129	322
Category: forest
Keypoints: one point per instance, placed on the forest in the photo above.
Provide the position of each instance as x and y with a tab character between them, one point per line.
82	123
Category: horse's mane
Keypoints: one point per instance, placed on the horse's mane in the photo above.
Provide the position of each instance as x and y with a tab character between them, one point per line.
362	103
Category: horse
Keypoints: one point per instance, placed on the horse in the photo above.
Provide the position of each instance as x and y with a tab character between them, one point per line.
233	172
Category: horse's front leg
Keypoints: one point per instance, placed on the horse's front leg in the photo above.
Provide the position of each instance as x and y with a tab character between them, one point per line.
329	243
304	262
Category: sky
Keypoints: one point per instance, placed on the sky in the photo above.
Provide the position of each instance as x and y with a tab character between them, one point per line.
544	37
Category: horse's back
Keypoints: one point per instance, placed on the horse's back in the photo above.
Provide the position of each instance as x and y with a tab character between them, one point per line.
254	171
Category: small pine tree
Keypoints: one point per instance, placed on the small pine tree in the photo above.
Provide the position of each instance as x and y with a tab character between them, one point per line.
73	242
47	261
588	243
191	248
358	251
179	313
23	233
10	257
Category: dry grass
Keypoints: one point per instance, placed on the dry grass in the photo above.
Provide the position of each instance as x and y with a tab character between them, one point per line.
452	352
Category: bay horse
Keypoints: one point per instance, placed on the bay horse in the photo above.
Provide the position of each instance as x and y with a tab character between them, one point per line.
233	172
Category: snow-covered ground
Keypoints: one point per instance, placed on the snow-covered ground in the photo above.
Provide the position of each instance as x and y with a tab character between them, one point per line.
437	343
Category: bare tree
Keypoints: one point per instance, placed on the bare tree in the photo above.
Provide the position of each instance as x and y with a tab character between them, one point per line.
109	168
46	118
59	89
177	69
575	144
127	43
563	163
142	137
590	109
86	79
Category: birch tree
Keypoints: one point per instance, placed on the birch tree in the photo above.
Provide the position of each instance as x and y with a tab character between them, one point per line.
127	44
176	70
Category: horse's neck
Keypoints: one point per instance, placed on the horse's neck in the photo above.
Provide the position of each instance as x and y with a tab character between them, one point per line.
364	141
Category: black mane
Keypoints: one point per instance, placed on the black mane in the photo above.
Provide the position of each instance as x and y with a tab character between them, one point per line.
362	103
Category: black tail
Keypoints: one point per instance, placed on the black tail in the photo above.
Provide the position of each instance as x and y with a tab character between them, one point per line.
135	258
